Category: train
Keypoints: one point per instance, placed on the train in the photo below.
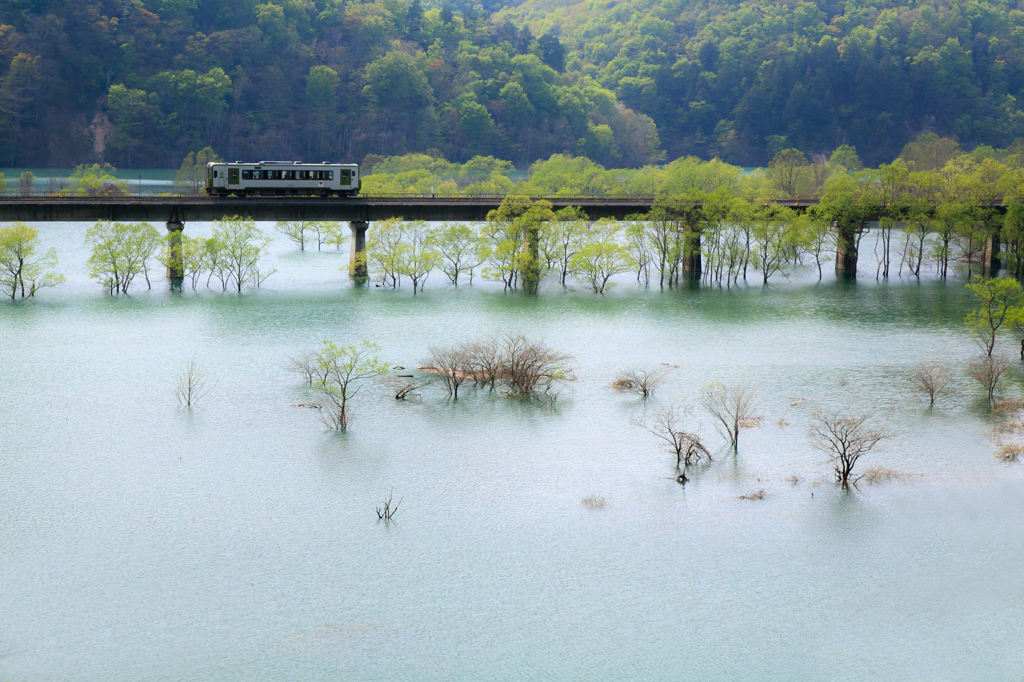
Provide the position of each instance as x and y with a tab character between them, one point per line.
282	178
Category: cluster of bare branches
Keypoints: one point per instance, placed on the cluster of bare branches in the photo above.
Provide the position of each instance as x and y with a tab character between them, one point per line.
686	445
932	381
190	385
844	439
523	368
641	381
733	409
987	371
387	511
1009	435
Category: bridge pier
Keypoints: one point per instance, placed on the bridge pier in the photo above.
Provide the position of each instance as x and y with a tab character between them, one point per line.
846	253
175	267
990	257
357	251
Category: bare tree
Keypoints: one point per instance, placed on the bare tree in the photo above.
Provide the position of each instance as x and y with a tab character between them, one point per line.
484	360
686	445
450	365
733	409
530	368
931	380
987	370
844	438
642	381
387	511
190	385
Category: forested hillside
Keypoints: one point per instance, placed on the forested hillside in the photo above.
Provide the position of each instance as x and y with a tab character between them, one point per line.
140	83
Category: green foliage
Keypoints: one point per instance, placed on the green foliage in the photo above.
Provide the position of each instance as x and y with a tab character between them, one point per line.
25	182
1000	302
121	252
236	251
97	180
340	373
600	256
192	174
620	84
22	271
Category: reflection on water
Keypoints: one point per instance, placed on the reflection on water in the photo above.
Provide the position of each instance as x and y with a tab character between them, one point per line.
239	540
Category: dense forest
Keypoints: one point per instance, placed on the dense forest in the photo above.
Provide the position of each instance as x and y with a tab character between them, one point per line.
141	83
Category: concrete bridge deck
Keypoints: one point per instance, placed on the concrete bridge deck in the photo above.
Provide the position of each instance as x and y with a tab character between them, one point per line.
363	208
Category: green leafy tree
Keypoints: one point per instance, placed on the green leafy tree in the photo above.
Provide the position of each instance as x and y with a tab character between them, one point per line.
341	372
22	270
459	248
513	232
384	247
243	248
416	255
25	181
786	170
1000	302
191	175
121	252
97	180
600	257
298	231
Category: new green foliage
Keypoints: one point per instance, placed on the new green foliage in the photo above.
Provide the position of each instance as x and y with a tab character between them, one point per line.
339	373
121	252
23	271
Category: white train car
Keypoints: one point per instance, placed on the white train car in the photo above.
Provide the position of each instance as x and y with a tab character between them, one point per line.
278	178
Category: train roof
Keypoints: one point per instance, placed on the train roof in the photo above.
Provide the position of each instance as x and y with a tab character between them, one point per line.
278	163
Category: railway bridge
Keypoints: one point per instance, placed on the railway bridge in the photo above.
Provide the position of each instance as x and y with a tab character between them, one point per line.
359	212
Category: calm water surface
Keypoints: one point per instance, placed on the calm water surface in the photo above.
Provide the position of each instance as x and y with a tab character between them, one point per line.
238	540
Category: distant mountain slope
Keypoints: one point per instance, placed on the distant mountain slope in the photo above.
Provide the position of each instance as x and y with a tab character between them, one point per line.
625	82
731	78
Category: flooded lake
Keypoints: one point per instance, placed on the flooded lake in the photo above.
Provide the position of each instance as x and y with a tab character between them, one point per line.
238	540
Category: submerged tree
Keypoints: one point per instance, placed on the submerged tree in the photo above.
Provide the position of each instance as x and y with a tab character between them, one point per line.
932	381
451	364
298	231
340	373
987	371
22	270
844	439
459	248
190	386
121	252
733	409
641	381
240	246
685	445
1000	301
600	256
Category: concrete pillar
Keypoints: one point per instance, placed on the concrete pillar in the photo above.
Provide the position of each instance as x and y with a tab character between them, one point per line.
990	260
692	265
175	268
357	251
846	252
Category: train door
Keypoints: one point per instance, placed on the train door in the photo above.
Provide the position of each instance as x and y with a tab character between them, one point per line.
232	176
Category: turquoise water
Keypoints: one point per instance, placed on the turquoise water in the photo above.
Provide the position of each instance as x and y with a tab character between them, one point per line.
145	180
239	541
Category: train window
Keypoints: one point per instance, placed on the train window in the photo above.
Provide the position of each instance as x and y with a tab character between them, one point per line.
330	175
288	175
247	175
214	173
